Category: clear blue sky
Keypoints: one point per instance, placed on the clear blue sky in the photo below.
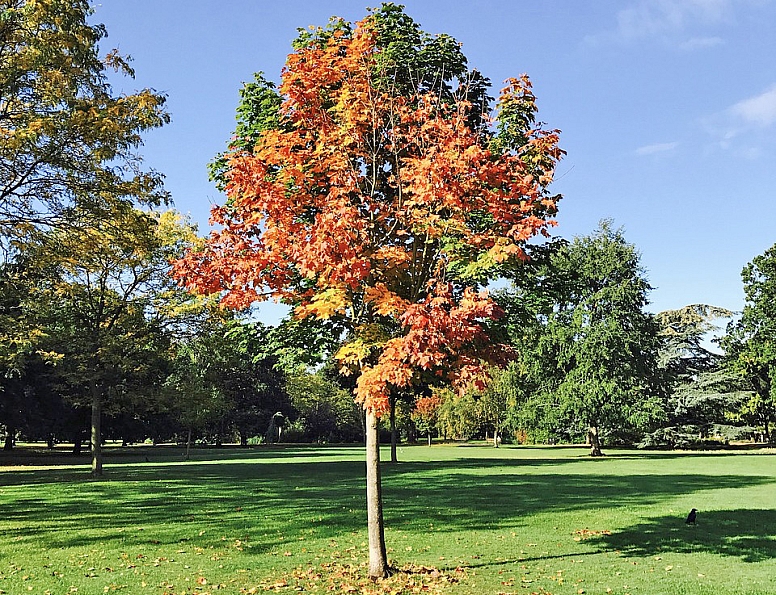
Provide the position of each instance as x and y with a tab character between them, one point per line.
667	109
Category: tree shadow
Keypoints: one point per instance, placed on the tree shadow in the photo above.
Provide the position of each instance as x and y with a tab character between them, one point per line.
258	497
462	498
746	534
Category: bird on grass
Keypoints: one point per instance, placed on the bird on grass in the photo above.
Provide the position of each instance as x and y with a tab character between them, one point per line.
692	516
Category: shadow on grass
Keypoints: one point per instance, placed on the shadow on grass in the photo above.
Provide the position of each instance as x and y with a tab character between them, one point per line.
25	456
466	500
746	534
272	500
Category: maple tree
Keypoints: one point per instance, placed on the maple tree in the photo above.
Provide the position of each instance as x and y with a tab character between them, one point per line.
383	195
425	414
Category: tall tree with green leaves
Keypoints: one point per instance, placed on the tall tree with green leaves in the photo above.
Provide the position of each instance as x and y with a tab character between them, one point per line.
104	296
384	197
65	138
751	341
704	392
504	393
587	345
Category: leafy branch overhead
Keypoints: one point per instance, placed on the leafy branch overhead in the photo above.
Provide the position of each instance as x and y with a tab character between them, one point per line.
65	138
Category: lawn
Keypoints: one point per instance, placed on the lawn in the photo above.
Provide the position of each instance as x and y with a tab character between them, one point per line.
465	519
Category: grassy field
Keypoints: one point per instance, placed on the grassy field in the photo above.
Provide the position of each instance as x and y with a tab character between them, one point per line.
465	519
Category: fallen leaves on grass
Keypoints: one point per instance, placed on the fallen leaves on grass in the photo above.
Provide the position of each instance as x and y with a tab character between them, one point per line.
353	578
582	534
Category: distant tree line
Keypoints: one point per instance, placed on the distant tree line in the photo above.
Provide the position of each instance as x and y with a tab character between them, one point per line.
590	363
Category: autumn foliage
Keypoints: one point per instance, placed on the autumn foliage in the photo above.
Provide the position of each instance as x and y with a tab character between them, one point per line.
426	407
386	210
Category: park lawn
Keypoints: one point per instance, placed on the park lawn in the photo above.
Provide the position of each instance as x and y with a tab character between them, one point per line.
462	519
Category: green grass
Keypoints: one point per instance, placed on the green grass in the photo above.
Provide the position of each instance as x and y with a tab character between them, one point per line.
511	520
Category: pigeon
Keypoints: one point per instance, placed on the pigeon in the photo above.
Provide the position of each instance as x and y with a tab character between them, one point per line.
691	517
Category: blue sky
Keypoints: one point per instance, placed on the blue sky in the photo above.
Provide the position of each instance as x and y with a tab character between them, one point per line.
667	109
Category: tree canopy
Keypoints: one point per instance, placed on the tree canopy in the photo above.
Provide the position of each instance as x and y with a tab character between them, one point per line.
751	341
65	138
589	349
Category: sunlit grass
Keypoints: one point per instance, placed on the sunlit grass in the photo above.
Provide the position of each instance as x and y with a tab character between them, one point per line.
508	520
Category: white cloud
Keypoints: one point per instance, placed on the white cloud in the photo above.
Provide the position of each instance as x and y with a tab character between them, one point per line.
700	43
746	127
656	148
668	19
759	110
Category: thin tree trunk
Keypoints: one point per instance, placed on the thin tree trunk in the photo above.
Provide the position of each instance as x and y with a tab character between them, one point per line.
495	436
188	444
394	457
96	432
429	437
378	557
9	434
595	442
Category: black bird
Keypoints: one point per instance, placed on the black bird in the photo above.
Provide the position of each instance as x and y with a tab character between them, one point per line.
691	517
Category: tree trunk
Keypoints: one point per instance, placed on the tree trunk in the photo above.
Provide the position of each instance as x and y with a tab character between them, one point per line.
394	457
9	434
595	442
188	444
378	557
96	432
495	436
77	444
767	431
429	437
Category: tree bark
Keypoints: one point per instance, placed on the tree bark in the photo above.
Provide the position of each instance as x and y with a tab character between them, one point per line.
188	444
595	442
9	434
394	457
96	430
378	556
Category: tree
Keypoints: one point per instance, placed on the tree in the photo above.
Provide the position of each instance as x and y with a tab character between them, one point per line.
64	137
105	294
251	379
503	393
594	361
191	396
383	198
458	416
704	393
425	414
751	341
326	412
